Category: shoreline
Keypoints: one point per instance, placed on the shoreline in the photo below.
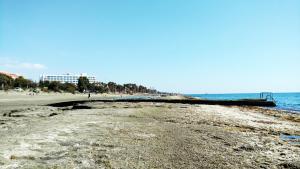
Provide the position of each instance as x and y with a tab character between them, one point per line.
114	135
289	110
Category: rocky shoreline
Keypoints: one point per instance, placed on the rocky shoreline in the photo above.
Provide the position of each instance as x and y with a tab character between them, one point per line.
146	135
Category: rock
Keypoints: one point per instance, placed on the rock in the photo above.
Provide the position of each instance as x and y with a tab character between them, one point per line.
53	114
290	165
282	154
246	147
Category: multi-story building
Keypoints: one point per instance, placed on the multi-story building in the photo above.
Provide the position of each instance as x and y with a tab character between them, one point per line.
67	78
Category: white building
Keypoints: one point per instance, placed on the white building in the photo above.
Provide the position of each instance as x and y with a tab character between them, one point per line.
66	78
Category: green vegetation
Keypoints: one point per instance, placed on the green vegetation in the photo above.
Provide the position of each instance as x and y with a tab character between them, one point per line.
57	87
112	87
83	85
54	86
68	87
6	82
24	83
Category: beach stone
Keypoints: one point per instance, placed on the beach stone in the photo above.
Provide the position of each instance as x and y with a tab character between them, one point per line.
53	114
245	147
290	165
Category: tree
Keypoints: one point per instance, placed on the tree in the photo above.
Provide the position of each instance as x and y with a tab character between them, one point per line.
131	88
100	87
44	84
120	88
32	84
6	82
83	84
142	89
23	83
112	87
68	87
54	86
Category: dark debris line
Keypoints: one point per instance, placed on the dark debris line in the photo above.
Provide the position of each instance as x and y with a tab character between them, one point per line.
250	102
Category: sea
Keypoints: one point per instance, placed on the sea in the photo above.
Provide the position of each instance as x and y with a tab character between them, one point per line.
284	101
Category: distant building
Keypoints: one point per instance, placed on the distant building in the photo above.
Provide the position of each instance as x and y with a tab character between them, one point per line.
13	76
67	78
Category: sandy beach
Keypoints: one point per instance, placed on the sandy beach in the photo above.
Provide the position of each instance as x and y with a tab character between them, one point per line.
143	135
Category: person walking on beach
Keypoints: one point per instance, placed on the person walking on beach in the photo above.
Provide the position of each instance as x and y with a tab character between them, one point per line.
89	95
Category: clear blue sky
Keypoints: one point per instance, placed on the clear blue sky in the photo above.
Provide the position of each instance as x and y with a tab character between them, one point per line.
187	46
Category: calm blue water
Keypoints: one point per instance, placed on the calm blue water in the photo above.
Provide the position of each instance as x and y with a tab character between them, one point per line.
284	101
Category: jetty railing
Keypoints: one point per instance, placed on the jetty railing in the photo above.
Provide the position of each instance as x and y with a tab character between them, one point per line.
267	96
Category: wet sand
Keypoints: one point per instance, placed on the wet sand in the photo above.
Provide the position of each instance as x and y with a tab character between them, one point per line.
143	135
